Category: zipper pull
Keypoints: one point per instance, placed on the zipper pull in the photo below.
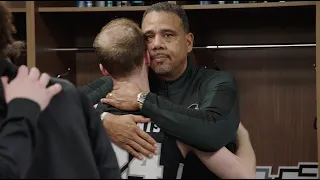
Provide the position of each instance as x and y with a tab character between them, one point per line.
166	89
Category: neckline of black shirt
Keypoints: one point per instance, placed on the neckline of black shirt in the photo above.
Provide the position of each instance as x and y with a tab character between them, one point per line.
171	87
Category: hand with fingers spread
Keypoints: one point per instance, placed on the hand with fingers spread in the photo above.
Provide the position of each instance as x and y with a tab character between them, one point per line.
124	132
123	96
30	85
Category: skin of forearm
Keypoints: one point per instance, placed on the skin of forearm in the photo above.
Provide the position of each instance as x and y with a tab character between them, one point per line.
225	164
246	155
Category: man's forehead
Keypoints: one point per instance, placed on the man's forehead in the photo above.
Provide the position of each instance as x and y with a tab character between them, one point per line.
159	21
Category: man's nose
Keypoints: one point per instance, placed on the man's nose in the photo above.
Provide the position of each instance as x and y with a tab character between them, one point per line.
158	42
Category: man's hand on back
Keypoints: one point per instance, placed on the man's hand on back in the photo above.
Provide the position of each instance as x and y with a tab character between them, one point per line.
124	132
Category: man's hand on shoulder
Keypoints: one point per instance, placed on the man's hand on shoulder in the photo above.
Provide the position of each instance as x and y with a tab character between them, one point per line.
30	85
124	132
123	96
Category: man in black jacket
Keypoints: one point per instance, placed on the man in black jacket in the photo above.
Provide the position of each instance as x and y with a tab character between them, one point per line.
114	46
66	140
196	105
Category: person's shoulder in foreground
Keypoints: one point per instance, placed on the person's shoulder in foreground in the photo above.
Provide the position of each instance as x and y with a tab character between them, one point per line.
56	143
77	139
21	101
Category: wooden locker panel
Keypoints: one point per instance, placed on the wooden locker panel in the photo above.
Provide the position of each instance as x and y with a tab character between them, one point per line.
277	101
318	73
52	33
277	85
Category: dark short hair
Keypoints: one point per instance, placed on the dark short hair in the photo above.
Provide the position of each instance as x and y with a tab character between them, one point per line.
121	47
6	29
170	8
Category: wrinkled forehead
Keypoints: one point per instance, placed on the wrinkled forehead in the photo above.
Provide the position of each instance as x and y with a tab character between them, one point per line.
155	22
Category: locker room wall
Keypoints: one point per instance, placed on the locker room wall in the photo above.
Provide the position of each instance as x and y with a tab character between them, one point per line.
278	101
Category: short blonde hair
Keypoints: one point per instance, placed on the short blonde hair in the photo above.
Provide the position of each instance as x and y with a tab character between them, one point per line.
121	46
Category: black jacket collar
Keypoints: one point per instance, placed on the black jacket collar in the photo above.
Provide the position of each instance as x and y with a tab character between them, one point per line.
171	87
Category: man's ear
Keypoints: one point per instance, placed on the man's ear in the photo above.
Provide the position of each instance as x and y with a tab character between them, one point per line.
104	71
190	39
147	58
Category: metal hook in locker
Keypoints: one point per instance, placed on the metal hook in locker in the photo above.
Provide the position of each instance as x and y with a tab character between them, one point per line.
61	75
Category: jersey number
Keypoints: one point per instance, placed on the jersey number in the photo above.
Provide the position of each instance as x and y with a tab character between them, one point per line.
147	168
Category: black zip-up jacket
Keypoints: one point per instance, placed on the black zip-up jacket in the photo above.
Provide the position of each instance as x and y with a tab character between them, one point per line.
200	108
67	140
